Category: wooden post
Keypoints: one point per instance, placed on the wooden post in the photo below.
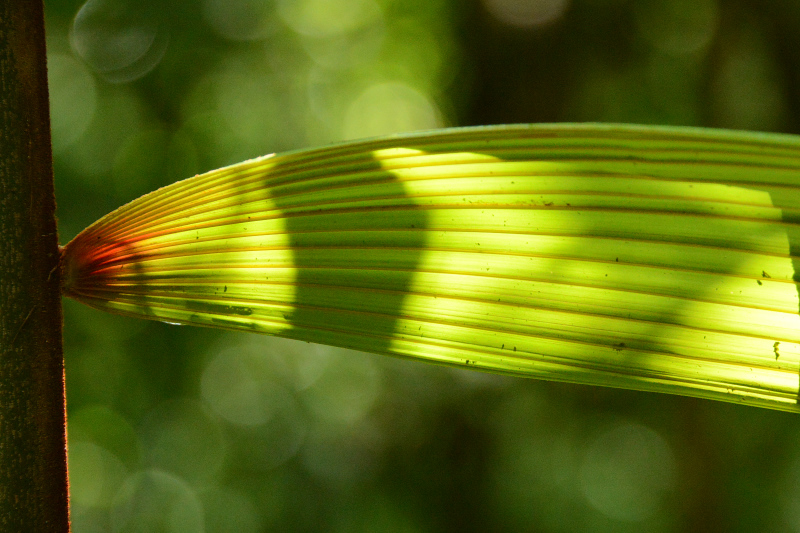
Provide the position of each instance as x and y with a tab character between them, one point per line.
33	467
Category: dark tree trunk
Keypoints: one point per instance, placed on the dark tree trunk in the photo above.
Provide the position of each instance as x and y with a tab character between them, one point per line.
33	467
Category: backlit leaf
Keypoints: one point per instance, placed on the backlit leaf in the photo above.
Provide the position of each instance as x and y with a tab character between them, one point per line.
640	257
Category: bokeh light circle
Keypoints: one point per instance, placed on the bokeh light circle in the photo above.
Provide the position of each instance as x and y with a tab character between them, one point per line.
238	387
157	501
240	20
390	107
73	99
678	26
181	437
95	474
526	13
626	472
325	18
122	40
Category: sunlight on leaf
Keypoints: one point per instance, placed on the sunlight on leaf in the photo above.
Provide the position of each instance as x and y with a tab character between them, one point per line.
640	257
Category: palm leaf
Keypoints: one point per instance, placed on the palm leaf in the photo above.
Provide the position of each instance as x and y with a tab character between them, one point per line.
648	258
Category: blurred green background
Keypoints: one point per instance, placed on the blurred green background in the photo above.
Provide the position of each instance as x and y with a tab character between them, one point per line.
180	429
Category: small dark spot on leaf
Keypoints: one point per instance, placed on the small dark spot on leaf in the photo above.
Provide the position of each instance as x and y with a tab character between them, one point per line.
206	307
765	274
232	323
759	282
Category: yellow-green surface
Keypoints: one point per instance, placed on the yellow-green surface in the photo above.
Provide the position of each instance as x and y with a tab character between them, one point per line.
638	257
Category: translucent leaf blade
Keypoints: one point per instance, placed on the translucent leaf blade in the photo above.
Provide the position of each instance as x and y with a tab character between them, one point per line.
648	258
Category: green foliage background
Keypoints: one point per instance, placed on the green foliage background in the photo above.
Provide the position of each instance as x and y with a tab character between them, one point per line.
185	429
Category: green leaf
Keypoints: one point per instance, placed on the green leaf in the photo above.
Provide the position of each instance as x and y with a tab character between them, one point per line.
648	258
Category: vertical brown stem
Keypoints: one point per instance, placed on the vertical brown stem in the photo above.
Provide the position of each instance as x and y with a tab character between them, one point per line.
33	467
